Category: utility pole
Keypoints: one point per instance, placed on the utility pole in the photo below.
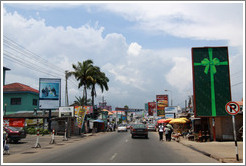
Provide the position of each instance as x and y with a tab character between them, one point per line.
66	92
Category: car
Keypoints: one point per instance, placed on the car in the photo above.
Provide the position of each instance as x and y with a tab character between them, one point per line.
151	127
128	126
139	130
122	127
15	133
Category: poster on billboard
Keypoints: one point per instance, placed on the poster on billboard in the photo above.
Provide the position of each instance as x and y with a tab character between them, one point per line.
151	108
211	81
66	111
80	115
162	102
49	93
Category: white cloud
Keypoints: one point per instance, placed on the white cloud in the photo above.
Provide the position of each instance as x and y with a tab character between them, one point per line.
180	75
134	49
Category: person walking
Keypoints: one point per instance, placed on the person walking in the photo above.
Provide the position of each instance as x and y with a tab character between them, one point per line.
169	135
161	130
167	130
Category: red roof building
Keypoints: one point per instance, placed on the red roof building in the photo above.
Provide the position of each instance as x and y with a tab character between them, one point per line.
18	87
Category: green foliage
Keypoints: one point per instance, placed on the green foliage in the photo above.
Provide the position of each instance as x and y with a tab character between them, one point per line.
33	130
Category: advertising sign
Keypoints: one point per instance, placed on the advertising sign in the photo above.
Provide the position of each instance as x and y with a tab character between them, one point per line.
14	122
80	114
32	122
169	116
151	107
162	102
66	111
49	93
171	110
211	81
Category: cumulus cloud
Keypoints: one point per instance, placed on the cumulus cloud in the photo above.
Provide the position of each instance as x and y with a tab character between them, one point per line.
134	49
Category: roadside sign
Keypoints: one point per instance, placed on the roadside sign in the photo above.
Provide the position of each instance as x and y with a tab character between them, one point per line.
232	108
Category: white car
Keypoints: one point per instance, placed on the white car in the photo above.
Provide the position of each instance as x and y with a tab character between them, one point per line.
122	127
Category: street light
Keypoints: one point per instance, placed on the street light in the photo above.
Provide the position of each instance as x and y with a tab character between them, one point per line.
5	110
171	96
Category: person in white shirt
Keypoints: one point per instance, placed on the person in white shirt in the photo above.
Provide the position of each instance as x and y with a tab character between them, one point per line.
161	130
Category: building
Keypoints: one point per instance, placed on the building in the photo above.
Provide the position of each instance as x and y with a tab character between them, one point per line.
4	73
19	97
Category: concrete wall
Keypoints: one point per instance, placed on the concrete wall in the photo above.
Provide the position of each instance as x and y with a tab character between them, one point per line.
224	127
26	102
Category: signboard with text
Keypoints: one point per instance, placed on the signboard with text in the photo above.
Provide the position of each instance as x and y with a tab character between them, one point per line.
151	108
14	122
162	102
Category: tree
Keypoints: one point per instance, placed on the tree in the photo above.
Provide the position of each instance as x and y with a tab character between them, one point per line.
83	73
80	101
98	78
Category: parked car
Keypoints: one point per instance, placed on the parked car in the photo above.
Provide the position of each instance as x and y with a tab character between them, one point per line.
139	130
151	127
15	133
122	127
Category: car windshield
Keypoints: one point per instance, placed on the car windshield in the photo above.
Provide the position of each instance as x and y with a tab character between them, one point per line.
139	126
122	125
14	128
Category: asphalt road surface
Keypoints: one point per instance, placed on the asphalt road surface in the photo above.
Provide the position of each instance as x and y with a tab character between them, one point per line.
113	147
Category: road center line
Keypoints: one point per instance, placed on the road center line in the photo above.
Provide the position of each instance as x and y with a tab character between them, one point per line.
113	156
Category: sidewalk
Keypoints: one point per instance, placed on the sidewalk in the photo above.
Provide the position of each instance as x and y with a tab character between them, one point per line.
224	152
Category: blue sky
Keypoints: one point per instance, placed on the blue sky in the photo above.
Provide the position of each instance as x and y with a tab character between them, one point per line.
144	48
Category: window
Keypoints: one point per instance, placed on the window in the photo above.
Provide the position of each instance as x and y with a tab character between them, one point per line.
34	102
15	101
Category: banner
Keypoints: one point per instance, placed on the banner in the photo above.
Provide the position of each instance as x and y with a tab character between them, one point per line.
211	81
162	102
80	115
151	108
66	111
49	93
14	122
33	122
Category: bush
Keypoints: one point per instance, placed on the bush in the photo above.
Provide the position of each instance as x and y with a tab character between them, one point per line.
31	130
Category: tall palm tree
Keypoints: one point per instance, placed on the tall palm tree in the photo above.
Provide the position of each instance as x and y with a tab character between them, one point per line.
100	79
83	73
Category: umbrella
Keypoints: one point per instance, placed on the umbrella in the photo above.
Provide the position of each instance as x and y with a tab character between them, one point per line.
178	121
164	120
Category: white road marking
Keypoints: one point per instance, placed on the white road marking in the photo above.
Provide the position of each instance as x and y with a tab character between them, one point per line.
127	140
113	156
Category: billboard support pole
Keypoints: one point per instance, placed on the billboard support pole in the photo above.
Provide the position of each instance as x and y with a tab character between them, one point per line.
214	134
49	125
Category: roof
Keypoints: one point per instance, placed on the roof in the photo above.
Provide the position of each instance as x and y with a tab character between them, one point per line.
5	68
18	87
31	115
239	103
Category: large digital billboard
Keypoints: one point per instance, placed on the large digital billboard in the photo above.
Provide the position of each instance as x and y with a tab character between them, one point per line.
211	81
49	93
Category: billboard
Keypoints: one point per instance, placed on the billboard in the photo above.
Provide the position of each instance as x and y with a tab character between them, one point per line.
80	115
211	81
151	108
162	102
171	110
14	122
49	93
66	111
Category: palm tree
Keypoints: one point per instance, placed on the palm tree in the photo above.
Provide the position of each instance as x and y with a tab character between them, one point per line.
80	101
100	79
83	73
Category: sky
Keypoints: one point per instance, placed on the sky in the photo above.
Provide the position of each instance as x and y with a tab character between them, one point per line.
144	48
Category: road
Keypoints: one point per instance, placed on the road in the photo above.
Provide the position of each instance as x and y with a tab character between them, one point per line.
112	147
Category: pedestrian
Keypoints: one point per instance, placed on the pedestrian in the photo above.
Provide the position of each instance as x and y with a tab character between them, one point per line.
161	130
166	130
169	134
